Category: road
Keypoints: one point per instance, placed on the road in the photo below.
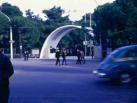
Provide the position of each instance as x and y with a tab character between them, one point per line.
40	81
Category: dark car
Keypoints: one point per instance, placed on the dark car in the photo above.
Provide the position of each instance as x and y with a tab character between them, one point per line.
120	65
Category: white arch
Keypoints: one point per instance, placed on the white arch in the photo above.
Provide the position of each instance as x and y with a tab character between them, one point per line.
53	40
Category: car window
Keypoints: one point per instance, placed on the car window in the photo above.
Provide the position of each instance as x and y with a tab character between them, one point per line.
124	52
131	53
119	53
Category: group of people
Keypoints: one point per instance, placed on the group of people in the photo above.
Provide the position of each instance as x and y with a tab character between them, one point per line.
80	57
58	55
63	54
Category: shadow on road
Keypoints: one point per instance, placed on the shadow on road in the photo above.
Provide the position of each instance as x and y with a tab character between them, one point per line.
109	82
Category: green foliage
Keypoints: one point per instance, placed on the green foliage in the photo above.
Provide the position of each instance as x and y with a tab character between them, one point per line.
32	31
29	13
10	10
117	23
113	23
55	19
4	25
54	16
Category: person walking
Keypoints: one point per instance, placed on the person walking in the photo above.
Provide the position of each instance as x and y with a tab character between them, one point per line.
26	55
57	55
64	57
78	57
6	71
82	57
92	52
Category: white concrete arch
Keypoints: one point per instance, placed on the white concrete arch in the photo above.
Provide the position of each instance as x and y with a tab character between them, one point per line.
53	40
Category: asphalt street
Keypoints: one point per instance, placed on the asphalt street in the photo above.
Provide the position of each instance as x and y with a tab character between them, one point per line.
41	81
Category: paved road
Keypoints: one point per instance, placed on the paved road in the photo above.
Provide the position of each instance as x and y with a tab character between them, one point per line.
40	81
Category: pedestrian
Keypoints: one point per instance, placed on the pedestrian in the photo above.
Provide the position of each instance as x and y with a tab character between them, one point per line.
6	71
57	55
26	55
64	53
92	52
82	57
78	57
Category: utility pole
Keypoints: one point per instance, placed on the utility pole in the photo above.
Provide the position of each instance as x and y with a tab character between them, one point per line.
90	20
85	37
90	27
85	44
20	44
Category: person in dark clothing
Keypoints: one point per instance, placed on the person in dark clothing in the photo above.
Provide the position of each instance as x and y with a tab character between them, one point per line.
82	57
57	55
92	52
6	70
64	57
26	55
78	57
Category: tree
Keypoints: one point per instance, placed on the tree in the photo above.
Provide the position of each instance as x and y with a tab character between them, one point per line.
54	20
10	10
29	13
55	16
116	22
4	25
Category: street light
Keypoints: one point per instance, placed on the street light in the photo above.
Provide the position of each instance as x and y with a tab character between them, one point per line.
85	37
20	44
11	40
90	32
90	21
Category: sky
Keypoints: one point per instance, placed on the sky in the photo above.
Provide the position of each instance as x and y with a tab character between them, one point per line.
75	8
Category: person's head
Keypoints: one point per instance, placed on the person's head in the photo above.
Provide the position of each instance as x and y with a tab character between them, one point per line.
58	50
64	50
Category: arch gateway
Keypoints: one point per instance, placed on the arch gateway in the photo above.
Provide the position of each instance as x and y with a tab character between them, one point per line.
53	40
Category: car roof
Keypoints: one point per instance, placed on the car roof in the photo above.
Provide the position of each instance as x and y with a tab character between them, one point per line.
124	48
128	47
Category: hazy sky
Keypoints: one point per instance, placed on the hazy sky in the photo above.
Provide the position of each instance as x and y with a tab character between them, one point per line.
75	8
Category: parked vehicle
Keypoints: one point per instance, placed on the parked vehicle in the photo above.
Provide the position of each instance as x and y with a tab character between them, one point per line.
120	65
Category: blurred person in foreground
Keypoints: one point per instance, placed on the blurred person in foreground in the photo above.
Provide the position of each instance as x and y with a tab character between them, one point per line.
6	70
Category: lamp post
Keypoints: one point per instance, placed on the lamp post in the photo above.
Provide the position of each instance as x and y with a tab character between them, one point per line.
92	35
11	40
90	28
90	20
85	45
85	37
20	44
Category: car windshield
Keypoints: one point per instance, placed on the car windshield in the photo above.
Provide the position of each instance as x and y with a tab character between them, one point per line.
124	52
118	53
